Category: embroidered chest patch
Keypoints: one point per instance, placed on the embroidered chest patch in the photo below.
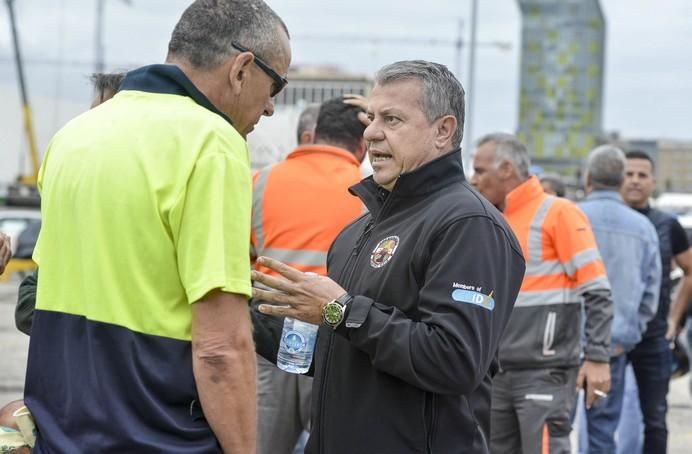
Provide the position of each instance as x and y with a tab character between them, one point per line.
384	251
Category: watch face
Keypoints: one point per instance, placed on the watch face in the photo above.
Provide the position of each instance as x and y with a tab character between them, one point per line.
333	313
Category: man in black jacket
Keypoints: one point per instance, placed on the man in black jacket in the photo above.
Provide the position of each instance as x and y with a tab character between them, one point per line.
419	289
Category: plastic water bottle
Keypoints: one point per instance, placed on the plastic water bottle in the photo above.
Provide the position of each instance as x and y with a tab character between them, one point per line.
297	346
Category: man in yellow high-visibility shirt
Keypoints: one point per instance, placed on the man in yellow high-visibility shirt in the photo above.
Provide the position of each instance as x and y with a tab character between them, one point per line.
141	339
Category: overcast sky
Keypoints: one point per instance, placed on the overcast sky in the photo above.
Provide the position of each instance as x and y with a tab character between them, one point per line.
648	75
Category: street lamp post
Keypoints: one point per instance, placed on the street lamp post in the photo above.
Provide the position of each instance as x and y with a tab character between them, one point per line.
470	93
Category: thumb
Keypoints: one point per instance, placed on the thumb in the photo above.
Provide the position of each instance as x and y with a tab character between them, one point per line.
363	118
671	332
580	379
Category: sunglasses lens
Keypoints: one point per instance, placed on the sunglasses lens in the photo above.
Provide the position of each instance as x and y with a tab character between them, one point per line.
276	88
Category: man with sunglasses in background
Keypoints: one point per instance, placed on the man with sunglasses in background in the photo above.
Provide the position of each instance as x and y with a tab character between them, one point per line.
141	339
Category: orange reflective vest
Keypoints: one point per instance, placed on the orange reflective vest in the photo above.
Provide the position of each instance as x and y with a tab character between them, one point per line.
301	204
562	264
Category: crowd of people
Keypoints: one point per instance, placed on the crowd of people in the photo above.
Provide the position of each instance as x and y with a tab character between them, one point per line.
455	315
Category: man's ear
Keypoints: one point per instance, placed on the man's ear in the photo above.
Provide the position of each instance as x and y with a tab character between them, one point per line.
505	169
238	72
307	137
446	128
587	182
361	151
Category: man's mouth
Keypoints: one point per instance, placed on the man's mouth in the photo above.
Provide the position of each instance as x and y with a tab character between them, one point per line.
379	156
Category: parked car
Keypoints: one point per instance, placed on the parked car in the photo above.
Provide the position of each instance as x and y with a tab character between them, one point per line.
676	203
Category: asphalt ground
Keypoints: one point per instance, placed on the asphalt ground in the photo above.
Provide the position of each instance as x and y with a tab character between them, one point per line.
14	347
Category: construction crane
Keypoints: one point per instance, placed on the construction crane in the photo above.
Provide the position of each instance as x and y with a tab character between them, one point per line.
23	191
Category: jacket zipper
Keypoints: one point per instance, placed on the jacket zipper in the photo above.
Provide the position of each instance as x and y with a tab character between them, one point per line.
486	445
350	267
433	420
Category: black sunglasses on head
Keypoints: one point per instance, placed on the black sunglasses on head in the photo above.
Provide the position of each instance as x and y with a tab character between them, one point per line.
279	82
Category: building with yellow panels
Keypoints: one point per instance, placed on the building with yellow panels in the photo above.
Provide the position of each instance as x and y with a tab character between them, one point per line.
562	60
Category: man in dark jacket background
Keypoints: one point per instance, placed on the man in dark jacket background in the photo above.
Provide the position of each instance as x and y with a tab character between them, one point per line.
419	289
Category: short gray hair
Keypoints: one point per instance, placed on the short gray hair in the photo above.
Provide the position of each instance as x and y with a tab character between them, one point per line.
441	93
606	167
205	32
307	119
508	148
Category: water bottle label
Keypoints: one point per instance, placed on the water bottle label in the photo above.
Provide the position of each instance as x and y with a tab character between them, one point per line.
294	342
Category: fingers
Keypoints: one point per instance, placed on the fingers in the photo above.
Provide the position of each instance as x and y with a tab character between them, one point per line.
361	102
600	393
279	311
271	296
286	271
594	394
363	118
672	332
605	387
580	379
271	281
590	397
596	389
356	100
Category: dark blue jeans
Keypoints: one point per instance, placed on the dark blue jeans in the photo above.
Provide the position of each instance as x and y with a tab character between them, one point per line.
651	360
604	415
630	433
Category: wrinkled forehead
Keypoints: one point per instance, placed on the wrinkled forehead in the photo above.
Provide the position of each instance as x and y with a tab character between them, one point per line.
401	94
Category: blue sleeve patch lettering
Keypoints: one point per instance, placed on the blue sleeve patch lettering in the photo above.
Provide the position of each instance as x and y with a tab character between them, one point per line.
477	298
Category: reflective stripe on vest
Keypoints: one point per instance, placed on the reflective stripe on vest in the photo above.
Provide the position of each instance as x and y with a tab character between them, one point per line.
535	240
257	201
547	297
536	267
570	267
599	283
581	259
297	256
553	273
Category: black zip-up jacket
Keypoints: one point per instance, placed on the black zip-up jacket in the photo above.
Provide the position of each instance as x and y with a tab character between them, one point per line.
434	271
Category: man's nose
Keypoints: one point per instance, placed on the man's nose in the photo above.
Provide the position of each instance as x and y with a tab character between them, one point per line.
269	108
372	132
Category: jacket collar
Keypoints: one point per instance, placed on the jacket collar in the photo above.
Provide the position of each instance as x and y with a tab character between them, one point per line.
167	79
528	190
605	195
323	149
430	177
645	211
